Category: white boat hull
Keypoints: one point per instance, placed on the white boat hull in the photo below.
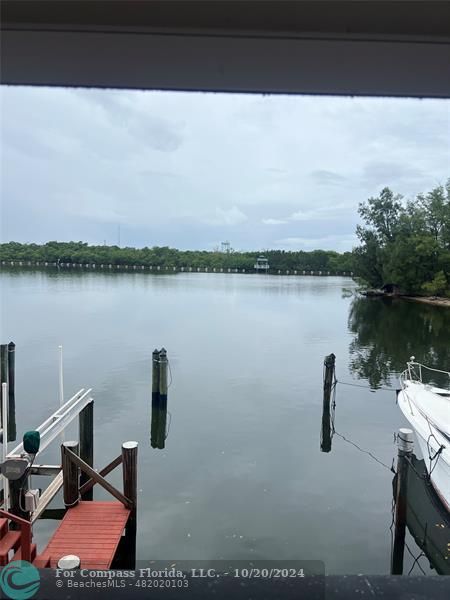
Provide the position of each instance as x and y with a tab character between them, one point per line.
431	434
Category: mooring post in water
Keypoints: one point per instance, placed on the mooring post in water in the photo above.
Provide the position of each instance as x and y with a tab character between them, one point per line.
328	382
155	400
405	448
329	374
12	433
163	365
159	433
155	374
129	467
4	409
86	427
71	475
3	370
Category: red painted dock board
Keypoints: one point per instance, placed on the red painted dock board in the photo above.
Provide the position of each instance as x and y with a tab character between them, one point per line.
92	531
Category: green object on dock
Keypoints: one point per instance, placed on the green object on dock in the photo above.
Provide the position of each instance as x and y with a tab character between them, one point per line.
31	442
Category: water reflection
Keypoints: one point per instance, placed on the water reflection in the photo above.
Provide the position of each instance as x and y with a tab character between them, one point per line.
159	421
427	520
388	331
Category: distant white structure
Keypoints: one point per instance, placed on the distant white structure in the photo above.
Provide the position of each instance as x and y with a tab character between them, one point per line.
225	247
262	264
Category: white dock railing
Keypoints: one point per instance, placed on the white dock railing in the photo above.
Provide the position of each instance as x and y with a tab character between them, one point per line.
58	421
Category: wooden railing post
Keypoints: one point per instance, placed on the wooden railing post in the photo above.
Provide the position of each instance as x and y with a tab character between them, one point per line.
25	532
86	423
71	474
129	465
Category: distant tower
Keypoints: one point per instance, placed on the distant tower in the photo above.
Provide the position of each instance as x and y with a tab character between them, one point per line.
226	247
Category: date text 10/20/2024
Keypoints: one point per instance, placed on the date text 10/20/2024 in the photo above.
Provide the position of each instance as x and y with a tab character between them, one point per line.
194	573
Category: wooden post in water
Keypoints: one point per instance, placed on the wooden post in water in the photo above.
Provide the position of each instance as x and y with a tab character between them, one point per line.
162	403
3	370
405	449
129	466
86	427
71	475
155	374
163	365
328	382
12	433
155	400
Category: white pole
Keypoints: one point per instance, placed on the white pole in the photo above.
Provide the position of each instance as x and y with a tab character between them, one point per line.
5	442
61	384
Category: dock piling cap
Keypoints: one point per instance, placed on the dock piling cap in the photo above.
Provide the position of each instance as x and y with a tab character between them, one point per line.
68	562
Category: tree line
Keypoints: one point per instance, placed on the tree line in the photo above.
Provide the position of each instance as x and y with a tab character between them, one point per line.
406	243
81	252
403	243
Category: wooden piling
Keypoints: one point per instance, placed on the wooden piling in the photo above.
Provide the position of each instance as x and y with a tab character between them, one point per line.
86	427
3	367
329	373
155	374
163	366
71	474
405	448
129	466
12	433
328	382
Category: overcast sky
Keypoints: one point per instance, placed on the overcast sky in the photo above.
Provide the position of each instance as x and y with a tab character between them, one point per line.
190	170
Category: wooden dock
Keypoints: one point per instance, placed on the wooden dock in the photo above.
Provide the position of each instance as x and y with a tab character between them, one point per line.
92	531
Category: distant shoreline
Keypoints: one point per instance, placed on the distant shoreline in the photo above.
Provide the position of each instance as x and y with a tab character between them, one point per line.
107	268
434	300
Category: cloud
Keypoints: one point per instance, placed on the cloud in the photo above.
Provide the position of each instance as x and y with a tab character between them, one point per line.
329	242
276	170
391	174
231	216
273	221
188	169
320	213
324	177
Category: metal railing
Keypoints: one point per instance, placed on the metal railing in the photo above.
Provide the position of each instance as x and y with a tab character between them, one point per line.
413	372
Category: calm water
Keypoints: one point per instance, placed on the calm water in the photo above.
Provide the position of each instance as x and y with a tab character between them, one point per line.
241	475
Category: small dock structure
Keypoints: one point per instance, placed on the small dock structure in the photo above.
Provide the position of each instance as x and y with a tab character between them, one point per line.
262	265
91	531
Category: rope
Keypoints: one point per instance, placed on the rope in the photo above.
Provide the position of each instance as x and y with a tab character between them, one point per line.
170	373
367	387
365	452
74	503
437	454
416	560
168	427
332	418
